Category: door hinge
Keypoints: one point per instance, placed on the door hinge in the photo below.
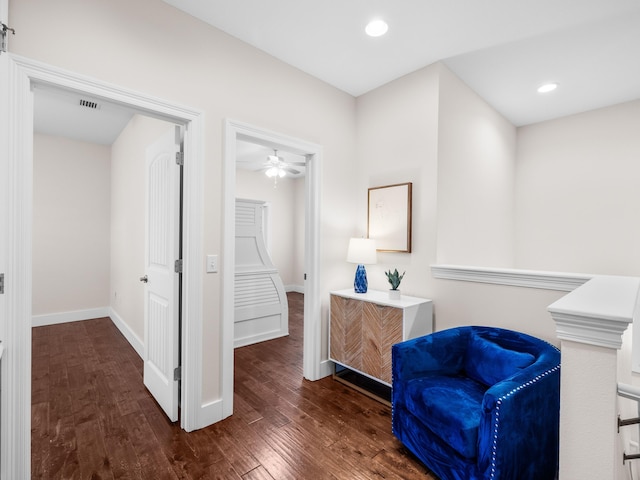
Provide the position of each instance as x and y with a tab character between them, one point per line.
177	374
180	158
178	266
3	34
1	283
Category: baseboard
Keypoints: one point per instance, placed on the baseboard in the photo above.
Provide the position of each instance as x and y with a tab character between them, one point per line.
326	368
294	288
132	338
263	337
73	316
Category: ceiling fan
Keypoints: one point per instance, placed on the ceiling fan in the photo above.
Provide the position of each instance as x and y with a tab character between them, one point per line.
276	166
250	156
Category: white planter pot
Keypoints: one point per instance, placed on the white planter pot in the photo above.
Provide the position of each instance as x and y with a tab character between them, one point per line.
394	294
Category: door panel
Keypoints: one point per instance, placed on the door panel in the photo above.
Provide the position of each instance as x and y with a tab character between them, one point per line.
161	332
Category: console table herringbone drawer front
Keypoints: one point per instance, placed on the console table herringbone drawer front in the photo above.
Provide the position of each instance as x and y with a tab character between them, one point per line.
363	327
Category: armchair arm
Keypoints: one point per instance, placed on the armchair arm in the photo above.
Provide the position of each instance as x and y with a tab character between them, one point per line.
518	436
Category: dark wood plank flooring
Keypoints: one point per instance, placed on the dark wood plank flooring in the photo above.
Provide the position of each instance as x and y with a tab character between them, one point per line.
92	418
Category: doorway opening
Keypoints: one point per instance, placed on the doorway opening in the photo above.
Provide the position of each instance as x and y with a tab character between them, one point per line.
106	226
24	74
313	367
270	188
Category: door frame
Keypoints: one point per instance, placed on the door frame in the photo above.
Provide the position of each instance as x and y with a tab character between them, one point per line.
15	436
8	460
313	366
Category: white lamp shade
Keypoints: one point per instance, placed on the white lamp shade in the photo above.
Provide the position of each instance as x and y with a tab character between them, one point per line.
362	251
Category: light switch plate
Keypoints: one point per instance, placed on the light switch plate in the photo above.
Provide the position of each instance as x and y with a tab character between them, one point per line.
212	263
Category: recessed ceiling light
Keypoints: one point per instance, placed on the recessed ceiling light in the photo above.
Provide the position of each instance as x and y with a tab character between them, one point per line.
547	87
376	28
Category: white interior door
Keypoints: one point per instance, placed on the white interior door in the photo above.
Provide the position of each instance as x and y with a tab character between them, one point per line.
161	322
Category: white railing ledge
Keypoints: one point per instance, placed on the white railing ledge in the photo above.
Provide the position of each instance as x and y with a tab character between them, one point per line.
598	312
547	280
629	391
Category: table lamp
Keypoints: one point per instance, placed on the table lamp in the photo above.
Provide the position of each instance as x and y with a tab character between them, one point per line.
361	251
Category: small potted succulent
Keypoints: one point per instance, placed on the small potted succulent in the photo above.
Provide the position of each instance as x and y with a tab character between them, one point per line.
394	279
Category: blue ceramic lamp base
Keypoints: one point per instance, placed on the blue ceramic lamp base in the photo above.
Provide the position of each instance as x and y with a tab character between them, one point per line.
360	283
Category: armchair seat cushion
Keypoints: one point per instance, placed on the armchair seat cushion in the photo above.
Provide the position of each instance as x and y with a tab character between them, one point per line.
433	399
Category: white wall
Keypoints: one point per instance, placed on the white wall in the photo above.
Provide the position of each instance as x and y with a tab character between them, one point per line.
560	195
285	218
577	193
476	174
71	185
573	208
131	44
397	133
476	216
431	129
128	219
515	308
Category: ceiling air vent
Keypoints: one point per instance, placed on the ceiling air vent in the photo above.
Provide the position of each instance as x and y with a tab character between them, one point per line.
88	104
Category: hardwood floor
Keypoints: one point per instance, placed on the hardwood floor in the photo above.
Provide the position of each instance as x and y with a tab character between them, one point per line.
92	418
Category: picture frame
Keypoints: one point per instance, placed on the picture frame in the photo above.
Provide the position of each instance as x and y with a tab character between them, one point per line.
389	217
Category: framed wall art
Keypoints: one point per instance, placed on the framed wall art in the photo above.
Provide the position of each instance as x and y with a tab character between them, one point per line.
389	220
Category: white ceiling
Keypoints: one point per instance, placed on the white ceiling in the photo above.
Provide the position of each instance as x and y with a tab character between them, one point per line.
503	49
59	112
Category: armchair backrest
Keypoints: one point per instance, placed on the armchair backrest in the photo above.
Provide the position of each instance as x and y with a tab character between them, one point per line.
494	354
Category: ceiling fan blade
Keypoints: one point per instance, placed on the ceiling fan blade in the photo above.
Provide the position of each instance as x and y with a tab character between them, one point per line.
290	170
250	162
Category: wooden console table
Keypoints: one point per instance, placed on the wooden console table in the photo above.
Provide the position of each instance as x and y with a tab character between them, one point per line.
363	326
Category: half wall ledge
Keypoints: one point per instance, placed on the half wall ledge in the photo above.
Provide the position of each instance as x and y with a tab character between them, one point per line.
566	282
598	312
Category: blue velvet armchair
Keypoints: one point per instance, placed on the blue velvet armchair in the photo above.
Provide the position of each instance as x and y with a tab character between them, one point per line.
478	403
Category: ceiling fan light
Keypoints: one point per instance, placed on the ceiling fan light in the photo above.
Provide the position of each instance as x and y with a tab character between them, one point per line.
272	172
281	172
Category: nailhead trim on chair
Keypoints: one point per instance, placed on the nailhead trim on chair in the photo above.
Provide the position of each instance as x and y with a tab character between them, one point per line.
496	424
